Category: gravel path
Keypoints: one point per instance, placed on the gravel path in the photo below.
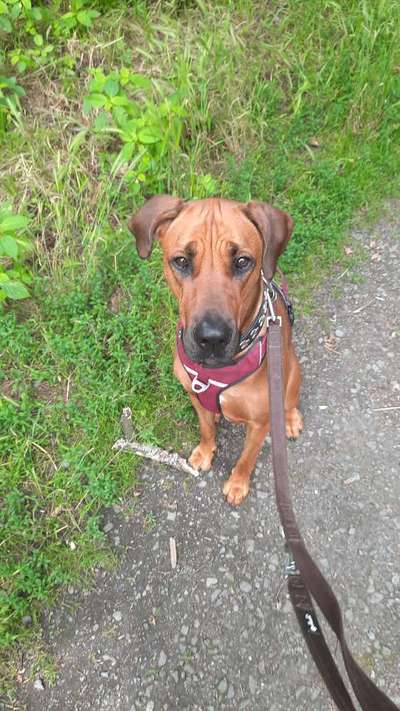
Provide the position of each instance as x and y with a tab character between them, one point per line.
218	632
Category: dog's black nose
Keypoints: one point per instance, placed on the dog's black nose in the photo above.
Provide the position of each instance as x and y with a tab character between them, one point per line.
212	334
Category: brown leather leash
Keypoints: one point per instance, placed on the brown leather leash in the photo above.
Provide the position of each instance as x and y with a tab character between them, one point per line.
305	580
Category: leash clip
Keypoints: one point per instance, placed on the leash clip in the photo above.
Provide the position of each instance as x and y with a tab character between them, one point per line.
290	565
272	315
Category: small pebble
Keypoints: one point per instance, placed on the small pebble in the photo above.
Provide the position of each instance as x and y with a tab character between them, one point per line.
250	545
376	597
108	658
222	687
245	587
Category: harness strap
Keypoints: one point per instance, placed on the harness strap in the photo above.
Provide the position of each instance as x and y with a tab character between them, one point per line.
305	580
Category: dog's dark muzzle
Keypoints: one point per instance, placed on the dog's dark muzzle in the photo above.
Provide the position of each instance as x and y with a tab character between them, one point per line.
212	340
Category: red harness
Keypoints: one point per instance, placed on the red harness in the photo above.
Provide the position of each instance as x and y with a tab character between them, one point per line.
209	383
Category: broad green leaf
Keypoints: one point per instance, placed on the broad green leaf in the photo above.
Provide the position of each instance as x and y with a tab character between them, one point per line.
13	222
95	101
120	101
120	116
18	90
26	277
3	7
14	290
130	130
15	11
101	121
27	4
140	81
134	185
8	246
111	87
5	24
38	40
149	135
84	18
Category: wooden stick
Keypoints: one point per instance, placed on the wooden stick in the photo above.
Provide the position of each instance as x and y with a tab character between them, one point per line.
156	454
361	308
385	409
172	552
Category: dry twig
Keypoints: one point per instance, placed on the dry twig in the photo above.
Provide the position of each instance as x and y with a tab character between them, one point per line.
156	454
172	552
149	451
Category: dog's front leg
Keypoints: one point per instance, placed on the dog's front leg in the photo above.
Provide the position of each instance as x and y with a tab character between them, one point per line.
238	484
203	454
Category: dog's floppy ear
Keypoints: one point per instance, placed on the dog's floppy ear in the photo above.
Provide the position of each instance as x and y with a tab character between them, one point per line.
145	223
275	228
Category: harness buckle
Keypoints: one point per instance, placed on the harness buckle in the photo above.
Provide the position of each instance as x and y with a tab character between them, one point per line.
198	386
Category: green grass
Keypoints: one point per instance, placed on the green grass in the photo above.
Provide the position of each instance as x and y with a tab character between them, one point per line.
296	103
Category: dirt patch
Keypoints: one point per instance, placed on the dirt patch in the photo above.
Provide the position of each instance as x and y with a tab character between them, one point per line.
46	392
8	389
118	301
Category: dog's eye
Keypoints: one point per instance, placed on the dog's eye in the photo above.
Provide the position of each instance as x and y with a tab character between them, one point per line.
182	263
242	263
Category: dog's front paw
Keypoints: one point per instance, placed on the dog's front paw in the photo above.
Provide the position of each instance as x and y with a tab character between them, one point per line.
294	423
236	489
201	458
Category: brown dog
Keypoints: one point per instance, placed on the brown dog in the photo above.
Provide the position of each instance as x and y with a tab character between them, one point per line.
214	251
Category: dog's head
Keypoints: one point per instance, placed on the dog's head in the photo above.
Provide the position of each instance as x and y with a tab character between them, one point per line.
214	250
